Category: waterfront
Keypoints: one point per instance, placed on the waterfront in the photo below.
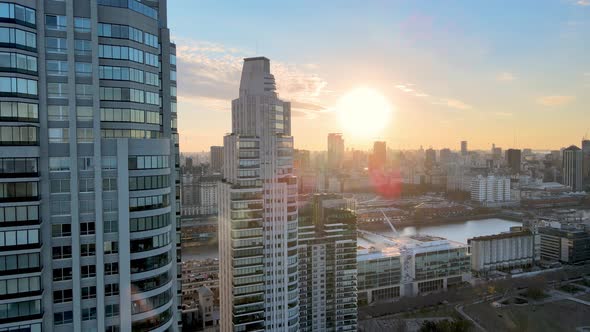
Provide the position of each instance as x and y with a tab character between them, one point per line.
456	231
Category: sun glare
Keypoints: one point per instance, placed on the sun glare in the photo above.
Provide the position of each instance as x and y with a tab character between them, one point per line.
363	113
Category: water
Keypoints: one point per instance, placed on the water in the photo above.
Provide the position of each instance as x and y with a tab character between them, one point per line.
458	231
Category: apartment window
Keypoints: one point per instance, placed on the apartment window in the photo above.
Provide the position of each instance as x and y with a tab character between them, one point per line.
152	98
85	135
62	252
148	162
18	191
111	247
151	59
83	69
88	271
57	113
14	167
56	22
59	164
111	289
148	202
173	75
17	111
11	37
61	296
173	91
61	230
120	31
109	184
60	208
111	224
173	107
88	292
17	62
20	14
57	90
109	163
17	87
86	185
151	40
84	113
65	317
57	68
88	314
15	214
20	286
87	228
82	24
111	268
111	310
22	262
59	186
56	45
85	163
87	249
84	91
173	59
59	135
82	47
120	53
62	274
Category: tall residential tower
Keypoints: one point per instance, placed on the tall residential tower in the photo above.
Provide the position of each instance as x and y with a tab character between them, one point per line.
89	196
258	210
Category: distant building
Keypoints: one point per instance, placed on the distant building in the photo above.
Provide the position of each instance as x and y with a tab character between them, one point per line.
410	266
199	194
445	156
496	152
504	251
327	265
379	156
216	159
301	160
490	189
430	159
572	168
464	150
565	245
586	163
335	151
514	160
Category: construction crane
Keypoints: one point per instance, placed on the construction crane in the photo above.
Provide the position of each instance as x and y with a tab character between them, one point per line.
395	233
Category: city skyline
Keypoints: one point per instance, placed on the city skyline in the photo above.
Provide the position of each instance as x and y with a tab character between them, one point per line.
448	75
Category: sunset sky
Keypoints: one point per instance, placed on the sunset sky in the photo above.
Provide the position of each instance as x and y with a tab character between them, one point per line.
514	73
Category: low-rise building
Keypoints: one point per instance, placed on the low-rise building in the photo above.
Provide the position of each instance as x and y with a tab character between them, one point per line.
504	251
409	266
565	244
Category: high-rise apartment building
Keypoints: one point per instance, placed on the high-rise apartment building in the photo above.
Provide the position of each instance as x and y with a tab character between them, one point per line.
572	167
327	265
430	158
258	210
445	156
335	151
379	156
490	189
216	155
89	197
513	160
464	150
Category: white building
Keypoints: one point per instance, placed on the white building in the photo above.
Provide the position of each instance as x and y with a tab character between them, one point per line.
491	189
409	266
504	251
258	210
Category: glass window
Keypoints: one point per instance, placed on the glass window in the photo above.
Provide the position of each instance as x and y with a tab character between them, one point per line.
82	24
55	22
83	69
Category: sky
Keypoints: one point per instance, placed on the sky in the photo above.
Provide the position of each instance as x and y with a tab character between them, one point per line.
513	73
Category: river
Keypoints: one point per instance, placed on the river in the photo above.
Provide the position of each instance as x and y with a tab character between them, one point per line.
456	231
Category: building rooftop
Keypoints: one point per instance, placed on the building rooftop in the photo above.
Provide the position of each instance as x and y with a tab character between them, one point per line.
505	235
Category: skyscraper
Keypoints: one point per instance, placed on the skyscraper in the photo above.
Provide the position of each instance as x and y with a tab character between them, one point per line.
513	159
430	159
445	156
327	265
258	210
89	155
216	155
335	151
572	167
379	156
586	163
464	150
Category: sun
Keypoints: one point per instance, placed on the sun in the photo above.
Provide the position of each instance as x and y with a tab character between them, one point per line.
364	113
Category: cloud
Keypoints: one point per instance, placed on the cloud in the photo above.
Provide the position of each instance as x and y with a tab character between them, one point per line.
456	104
505	76
410	89
555	101
583	3
209	76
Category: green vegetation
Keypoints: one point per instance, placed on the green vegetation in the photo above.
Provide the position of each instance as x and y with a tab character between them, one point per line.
570	288
535	293
446	326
